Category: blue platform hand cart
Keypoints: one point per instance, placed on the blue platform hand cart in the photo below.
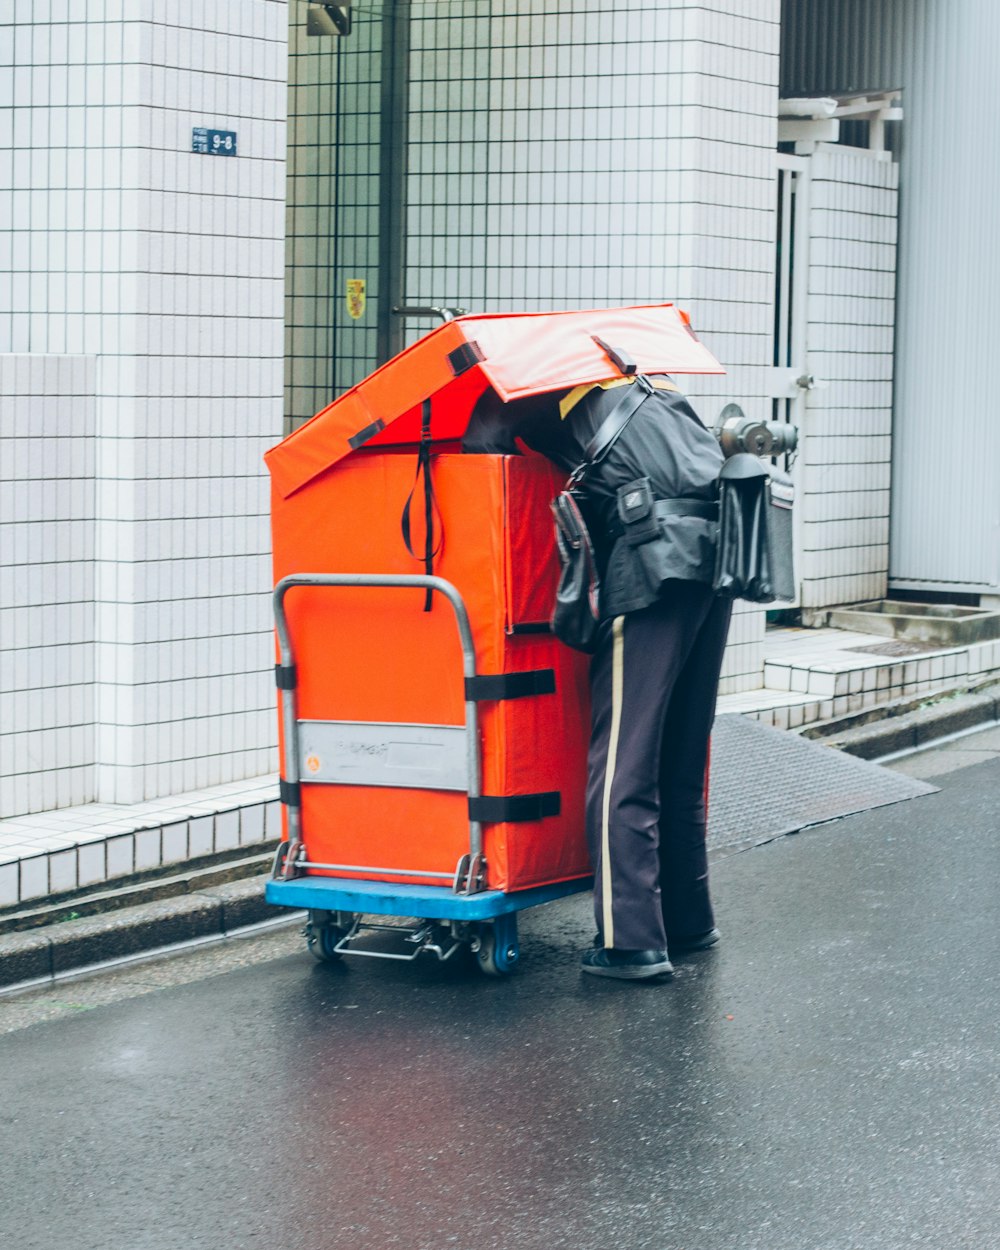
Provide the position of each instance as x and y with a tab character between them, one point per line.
342	908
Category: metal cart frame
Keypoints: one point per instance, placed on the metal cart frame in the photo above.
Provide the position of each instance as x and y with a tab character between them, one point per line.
450	916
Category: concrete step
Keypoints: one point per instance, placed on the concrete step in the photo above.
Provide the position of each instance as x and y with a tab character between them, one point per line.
813	675
74	849
214	912
205	874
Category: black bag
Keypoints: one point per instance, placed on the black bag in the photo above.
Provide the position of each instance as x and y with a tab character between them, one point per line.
575	616
576	613
754	557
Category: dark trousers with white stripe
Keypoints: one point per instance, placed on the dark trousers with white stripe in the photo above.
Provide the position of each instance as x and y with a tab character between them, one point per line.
653	682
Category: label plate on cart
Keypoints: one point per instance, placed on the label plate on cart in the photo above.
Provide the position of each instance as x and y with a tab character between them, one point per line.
356	753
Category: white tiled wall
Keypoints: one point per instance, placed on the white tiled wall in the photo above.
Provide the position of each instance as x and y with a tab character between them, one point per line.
47	626
559	156
623	159
333	206
166	267
846	446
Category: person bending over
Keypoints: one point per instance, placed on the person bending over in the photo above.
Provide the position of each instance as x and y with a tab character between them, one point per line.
651	509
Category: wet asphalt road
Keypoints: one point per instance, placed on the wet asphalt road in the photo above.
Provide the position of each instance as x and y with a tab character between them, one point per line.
825	1080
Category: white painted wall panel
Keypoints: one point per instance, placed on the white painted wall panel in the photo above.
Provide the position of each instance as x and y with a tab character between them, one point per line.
620	161
845	448
165	269
47	619
559	157
946	448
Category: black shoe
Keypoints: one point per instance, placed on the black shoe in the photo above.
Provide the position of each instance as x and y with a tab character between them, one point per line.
626	965
696	942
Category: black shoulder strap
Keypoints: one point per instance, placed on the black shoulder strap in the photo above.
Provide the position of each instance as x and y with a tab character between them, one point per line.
620	415
617	419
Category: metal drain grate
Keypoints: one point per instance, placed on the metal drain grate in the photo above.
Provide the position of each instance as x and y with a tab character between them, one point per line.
766	782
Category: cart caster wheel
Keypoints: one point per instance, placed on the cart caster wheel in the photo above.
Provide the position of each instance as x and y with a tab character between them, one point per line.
323	938
497	953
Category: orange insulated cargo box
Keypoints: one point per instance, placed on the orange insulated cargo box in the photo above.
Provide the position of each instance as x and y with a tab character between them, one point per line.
379	687
374	656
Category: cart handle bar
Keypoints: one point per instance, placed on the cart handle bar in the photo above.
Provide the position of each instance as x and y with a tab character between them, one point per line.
405	581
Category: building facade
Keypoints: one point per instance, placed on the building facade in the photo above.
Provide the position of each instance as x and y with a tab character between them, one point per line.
141	289
946	445
155	282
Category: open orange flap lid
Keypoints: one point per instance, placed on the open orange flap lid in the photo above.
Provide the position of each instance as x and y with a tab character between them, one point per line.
517	354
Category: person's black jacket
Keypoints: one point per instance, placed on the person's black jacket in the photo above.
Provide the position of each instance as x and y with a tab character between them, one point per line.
665	441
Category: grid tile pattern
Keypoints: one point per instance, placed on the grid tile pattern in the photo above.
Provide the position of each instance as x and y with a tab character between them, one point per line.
846	453
166	266
556	158
334	109
589	170
47	626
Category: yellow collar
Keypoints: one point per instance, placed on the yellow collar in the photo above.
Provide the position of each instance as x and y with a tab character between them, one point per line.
569	402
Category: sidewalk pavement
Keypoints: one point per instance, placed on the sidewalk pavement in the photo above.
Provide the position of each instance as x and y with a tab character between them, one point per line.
859	702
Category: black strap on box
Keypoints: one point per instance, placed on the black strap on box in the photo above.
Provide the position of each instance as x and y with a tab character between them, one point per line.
285	676
430	503
492	809
489	687
622	361
464	357
362	436
290	792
